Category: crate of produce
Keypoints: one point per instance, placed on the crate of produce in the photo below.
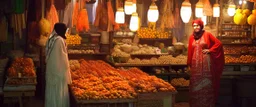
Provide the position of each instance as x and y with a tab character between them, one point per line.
158	99
14	81
118	102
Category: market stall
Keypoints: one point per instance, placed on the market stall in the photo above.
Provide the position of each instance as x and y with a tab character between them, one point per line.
125	56
21	81
106	86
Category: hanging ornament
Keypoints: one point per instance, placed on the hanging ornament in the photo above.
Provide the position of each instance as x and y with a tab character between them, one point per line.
185	11
199	9
153	13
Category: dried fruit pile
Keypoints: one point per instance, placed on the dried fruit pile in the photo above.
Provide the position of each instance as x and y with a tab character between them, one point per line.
98	80
73	39
21	72
151	33
245	59
180	82
23	67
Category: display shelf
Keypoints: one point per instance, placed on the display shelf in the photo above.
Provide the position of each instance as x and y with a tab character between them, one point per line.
236	30
150	54
237	54
182	88
123	37
154	39
107	101
237	43
239	73
96	56
149	65
88	54
230	37
170	74
240	64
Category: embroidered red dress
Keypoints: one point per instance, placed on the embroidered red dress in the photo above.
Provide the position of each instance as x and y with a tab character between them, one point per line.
206	70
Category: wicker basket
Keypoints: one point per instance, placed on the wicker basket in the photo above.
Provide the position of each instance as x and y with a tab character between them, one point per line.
179	46
121	59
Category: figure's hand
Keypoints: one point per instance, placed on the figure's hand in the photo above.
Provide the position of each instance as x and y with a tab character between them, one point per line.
206	51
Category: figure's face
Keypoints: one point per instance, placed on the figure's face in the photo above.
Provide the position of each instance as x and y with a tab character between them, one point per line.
196	27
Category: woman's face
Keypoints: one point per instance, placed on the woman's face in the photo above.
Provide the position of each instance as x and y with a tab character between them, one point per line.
67	32
196	27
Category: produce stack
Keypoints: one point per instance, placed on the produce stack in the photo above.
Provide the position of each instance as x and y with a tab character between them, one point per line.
21	72
97	80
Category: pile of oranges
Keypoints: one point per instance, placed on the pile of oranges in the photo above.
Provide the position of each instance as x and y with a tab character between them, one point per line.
151	33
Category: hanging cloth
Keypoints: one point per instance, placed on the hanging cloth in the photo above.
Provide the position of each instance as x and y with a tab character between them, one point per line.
34	10
59	4
3	29
111	18
19	6
52	16
207	8
83	21
75	14
68	13
178	29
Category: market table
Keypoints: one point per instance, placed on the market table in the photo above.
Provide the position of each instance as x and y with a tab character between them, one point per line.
12	93
75	102
157	99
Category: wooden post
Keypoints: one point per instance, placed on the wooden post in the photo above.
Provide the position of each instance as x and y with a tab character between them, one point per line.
253	34
220	19
217	22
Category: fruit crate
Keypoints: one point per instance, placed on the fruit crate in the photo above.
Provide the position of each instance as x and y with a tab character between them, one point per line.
15	81
75	102
158	99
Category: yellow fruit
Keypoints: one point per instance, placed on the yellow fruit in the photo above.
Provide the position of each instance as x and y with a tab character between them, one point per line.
251	19
244	19
238	11
44	27
254	12
238	18
246	12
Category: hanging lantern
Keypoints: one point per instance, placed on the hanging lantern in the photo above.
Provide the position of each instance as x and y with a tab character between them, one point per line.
216	10
231	8
153	13
199	9
134	22
185	11
134	7
245	2
128	7
120	16
240	2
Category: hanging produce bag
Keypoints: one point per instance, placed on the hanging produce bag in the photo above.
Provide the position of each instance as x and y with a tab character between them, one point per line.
207	8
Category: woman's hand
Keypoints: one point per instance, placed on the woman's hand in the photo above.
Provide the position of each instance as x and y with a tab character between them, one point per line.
206	51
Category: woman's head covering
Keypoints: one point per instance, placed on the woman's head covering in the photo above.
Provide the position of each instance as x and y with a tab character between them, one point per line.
60	29
199	22
198	34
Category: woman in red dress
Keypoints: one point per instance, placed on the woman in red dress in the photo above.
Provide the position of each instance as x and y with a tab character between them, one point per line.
205	61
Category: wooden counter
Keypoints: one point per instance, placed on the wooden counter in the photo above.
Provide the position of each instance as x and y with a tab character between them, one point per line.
12	93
